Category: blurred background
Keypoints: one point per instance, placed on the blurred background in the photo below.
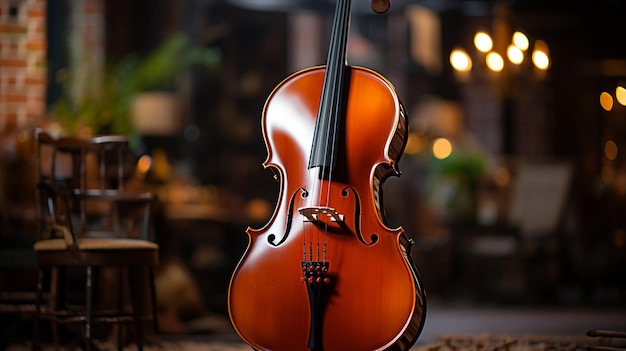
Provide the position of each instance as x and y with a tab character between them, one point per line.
514	174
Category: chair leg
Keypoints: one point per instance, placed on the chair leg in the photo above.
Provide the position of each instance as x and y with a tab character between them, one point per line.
37	317
57	276
53	301
121	288
88	307
153	298
137	303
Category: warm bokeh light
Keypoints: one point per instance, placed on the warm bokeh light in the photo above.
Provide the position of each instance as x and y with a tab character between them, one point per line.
606	101
460	60
541	58
442	148
494	61
520	40
610	150
414	144
515	54
483	42
620	95
144	164
502	176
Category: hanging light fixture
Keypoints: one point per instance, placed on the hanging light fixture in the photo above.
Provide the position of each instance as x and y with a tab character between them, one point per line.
516	49
541	56
503	58
460	60
483	42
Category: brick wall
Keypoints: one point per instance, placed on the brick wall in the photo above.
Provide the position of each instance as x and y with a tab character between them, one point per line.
24	78
23	45
22	62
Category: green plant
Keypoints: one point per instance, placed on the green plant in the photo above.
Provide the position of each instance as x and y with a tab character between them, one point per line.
107	110
454	181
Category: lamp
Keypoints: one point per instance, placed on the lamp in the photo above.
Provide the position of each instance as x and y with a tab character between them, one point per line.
500	44
505	54
461	61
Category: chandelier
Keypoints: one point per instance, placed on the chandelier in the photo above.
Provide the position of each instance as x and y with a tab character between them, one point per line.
515	48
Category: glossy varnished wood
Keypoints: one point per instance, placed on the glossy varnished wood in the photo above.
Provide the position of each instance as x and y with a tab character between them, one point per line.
374	300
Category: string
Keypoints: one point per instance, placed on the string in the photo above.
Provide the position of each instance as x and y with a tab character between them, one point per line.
336	68
328	121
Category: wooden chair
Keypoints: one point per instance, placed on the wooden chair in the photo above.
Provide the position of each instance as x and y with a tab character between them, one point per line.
92	228
520	258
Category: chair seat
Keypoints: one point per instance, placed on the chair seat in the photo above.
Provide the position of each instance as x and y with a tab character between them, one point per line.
97	252
96	244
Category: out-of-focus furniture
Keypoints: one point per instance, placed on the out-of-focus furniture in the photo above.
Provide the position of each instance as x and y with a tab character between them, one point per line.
18	274
16	256
18	263
612	340
89	222
521	256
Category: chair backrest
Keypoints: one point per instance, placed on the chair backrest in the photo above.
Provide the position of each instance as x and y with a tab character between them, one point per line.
539	197
81	180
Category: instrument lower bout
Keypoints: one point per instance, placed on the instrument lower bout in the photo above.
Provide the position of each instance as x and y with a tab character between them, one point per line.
334	294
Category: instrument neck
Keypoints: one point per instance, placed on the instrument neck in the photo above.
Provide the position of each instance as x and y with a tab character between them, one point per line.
328	124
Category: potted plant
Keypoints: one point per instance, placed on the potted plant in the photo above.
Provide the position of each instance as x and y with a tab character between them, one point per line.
108	110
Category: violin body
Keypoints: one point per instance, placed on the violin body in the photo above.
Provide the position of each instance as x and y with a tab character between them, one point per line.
326	273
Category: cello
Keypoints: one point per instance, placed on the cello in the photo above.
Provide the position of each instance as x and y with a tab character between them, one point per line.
326	272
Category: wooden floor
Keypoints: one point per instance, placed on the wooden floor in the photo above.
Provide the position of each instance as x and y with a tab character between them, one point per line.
525	323
445	321
535	321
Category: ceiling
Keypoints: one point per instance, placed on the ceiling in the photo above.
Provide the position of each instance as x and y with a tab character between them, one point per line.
597	25
469	7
